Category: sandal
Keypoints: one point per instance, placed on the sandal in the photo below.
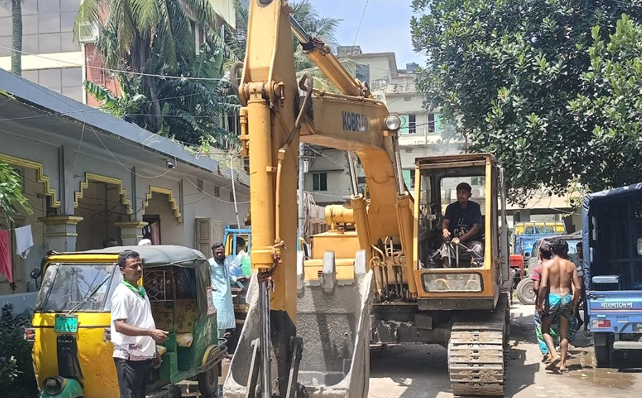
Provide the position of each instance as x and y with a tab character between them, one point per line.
553	363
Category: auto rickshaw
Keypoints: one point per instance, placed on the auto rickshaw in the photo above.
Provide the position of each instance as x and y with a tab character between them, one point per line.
72	351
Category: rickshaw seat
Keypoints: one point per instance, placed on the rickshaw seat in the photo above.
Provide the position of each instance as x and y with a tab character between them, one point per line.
178	316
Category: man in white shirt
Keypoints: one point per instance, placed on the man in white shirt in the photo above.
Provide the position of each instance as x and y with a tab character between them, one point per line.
133	331
222	294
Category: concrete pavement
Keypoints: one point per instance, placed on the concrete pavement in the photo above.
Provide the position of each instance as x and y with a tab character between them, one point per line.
421	371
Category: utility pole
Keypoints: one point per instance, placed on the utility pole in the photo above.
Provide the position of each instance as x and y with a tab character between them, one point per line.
301	195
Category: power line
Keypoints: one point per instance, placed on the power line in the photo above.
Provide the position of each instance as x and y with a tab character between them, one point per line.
211	196
121	164
360	22
81	111
115	70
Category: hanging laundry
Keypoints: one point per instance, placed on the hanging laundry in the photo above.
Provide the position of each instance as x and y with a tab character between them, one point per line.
24	241
6	267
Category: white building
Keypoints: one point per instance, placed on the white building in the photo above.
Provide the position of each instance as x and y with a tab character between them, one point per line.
89	176
420	135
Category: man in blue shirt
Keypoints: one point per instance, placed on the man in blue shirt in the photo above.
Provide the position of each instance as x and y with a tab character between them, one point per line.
462	223
222	294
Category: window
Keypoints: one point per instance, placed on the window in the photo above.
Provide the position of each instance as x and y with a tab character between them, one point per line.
363	73
65	286
48	6
48	23
50	43
233	124
47	26
431	123
320	181
409	178
412	124
477	181
5	43
67	81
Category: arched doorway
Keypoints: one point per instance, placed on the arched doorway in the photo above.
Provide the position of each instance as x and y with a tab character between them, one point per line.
43	201
163	216
102	203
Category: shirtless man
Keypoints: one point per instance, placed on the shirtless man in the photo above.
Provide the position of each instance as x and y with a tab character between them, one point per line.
558	298
543	256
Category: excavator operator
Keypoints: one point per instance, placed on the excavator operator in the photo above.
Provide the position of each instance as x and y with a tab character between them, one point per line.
462	223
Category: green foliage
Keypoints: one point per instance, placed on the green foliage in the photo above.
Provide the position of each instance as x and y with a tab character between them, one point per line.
504	73
611	103
307	16
191	109
158	39
11	194
146	30
16	368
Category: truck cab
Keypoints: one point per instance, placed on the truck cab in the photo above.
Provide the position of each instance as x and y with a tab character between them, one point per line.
612	237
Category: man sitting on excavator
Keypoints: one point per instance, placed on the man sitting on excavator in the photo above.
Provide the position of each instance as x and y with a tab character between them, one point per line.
462	223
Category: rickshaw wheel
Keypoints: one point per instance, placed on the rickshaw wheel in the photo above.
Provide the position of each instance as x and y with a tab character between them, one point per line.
208	381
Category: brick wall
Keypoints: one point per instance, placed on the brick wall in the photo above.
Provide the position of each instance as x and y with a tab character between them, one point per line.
94	61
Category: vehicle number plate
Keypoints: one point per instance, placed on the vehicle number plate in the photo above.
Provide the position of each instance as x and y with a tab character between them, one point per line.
66	323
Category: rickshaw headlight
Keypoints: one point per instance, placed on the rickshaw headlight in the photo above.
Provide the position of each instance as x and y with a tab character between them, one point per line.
30	334
53	385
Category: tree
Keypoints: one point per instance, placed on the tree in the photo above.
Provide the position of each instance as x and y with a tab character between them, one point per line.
610	105
11	194
504	73
16	37
144	36
307	16
191	108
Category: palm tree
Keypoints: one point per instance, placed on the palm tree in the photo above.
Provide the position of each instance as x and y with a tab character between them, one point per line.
143	35
16	37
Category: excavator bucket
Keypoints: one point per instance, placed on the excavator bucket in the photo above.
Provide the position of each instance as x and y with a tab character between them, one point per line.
334	324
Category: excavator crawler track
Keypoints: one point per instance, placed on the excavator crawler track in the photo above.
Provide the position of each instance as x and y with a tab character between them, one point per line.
478	352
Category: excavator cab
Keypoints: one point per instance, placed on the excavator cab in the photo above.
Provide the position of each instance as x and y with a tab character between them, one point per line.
455	273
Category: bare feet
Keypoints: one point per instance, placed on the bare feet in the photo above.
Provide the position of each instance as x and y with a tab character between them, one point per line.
563	369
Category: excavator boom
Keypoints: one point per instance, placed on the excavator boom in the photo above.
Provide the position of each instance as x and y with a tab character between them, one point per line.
373	278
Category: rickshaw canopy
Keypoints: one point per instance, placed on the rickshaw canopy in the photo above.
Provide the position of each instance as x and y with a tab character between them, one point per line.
154	257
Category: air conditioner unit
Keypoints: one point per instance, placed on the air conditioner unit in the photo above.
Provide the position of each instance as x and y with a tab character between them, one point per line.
87	32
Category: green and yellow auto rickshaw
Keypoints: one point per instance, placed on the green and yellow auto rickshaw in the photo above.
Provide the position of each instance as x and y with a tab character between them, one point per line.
72	351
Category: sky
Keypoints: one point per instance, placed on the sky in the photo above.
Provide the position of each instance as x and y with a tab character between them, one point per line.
385	27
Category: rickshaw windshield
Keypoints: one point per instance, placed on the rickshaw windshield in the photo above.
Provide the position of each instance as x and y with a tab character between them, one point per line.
65	286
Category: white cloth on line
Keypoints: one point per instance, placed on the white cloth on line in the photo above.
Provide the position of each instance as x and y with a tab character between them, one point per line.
24	240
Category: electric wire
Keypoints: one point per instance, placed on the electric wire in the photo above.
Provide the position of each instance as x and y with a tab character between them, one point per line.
115	70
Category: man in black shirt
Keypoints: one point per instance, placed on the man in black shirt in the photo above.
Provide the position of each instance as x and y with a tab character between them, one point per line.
462	222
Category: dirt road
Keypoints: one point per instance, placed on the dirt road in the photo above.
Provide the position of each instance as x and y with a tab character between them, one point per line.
420	371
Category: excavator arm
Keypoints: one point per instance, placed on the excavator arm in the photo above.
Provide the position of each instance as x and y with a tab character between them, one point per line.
274	117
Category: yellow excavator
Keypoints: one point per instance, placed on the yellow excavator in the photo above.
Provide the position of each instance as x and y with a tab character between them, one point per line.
375	278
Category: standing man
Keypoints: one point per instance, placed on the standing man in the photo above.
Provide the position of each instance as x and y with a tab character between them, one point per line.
580	272
543	255
557	299
462	222
133	331
222	294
